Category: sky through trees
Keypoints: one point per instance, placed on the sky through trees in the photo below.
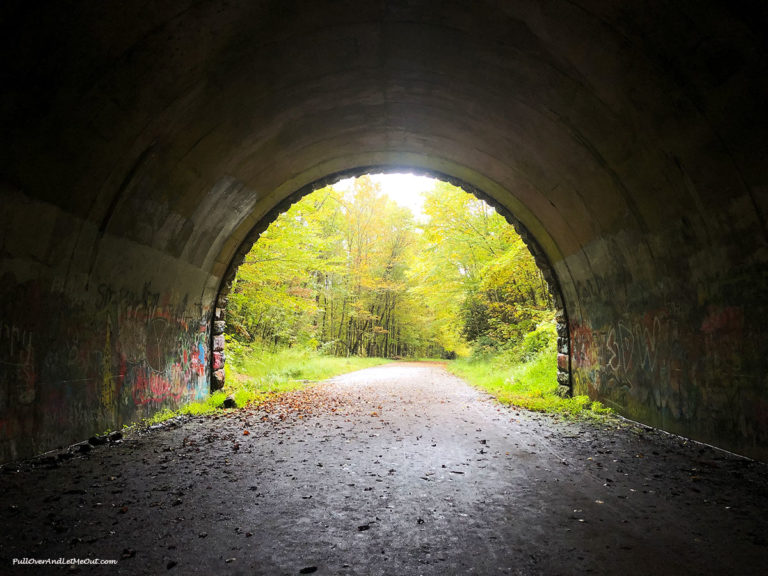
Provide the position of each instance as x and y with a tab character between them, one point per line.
391	266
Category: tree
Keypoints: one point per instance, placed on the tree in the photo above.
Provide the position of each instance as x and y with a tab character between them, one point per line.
350	273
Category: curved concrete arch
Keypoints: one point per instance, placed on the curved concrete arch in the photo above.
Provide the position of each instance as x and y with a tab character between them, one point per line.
143	142
217	344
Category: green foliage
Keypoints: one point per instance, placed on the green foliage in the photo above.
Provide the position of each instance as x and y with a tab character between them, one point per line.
529	382
525	375
352	274
208	406
475	262
263	371
542	340
329	274
261	374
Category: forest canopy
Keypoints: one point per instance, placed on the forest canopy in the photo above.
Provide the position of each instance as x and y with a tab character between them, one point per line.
348	271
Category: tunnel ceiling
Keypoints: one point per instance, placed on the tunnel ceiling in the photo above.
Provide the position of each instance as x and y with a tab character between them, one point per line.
144	141
582	119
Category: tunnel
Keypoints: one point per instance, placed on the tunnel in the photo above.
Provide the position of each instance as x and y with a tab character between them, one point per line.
145	145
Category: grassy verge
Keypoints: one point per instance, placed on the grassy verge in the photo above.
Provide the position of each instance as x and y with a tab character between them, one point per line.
528	384
273	371
253	378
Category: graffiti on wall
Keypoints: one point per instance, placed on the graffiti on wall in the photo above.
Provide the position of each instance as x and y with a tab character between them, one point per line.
103	361
174	369
633	345
621	358
648	361
162	352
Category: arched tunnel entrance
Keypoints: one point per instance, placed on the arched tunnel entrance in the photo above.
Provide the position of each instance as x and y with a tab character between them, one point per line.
141	148
218	320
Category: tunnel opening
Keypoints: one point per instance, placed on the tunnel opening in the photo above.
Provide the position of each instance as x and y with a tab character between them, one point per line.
383	342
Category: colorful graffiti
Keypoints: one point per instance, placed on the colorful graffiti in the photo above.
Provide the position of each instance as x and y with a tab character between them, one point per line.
629	344
647	366
182	378
583	350
620	347
619	359
104	361
162	351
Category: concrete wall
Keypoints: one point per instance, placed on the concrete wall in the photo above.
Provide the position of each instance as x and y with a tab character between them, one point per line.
143	142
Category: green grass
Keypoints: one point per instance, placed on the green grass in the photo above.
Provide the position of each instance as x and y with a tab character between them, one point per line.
530	384
275	371
208	406
254	377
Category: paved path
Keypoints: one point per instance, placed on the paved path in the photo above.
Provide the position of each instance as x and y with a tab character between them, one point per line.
400	470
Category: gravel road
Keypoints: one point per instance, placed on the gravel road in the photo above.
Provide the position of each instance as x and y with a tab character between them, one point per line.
398	470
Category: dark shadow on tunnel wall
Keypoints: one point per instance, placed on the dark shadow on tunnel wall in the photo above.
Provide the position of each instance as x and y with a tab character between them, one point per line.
218	319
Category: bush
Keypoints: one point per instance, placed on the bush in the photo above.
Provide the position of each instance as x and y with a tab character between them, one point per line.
542	339
526	376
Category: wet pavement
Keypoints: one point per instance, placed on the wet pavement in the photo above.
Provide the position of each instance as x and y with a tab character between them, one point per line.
401	469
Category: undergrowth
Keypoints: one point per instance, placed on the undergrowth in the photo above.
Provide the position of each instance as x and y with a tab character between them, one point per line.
526	376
